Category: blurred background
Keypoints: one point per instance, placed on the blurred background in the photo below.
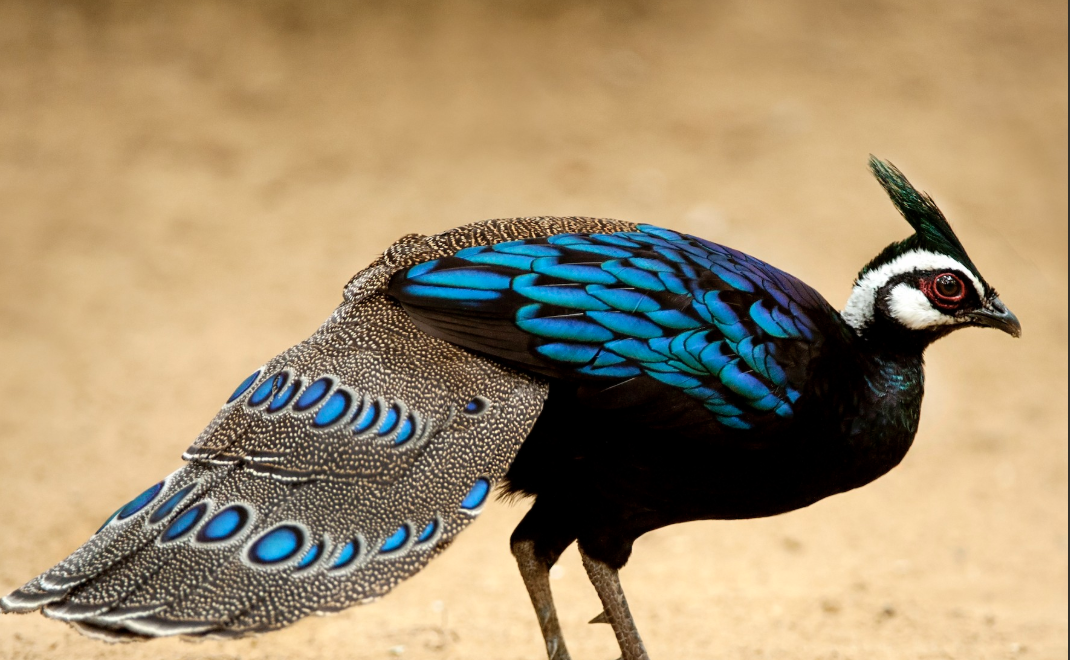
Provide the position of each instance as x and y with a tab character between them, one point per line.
185	187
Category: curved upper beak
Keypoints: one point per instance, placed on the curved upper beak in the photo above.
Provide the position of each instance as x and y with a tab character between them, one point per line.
995	314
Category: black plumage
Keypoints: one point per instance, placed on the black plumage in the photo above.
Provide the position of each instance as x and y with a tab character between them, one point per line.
627	377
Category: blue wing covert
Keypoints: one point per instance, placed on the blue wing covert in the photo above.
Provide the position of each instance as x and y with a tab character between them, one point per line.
732	332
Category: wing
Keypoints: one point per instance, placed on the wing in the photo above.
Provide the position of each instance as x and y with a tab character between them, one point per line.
640	318
335	471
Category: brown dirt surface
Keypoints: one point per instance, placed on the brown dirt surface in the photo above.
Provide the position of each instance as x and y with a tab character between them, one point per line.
186	186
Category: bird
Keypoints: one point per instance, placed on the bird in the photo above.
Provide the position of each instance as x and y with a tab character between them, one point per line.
624	377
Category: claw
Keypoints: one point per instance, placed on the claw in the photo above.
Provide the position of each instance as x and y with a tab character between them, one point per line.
601	618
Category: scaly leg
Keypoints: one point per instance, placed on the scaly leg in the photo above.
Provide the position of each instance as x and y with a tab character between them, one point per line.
536	574
615	607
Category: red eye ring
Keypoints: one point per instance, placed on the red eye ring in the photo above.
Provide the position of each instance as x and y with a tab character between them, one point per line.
947	289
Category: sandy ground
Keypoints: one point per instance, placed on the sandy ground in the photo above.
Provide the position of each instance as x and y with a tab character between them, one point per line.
185	188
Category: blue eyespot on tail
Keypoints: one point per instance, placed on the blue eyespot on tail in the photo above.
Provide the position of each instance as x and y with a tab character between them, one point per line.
268	388
283	398
311	556
395	540
367	417
169	504
140	502
184	523
313	395
347	556
224	525
277	545
475	406
405	433
245	385
332	411
477	495
428	531
390	421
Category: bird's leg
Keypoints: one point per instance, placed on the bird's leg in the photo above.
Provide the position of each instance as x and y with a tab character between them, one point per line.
615	607
536	574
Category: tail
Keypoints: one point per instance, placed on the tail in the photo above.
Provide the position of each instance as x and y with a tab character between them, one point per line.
335	472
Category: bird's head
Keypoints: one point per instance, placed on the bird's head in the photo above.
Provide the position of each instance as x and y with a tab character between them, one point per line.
920	289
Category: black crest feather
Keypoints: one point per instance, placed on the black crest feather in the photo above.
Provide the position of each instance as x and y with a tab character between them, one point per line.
932	231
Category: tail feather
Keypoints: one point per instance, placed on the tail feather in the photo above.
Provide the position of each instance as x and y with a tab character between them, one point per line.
114	542
303	501
162	571
30	597
125	556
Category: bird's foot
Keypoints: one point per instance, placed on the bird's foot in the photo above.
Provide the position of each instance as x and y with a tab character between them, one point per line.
615	607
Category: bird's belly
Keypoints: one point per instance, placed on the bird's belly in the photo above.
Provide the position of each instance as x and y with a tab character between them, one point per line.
642	485
605	475
728	484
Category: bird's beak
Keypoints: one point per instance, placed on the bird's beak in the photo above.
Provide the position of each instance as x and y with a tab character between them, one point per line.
995	314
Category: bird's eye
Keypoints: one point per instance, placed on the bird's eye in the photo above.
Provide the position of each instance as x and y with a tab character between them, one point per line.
949	288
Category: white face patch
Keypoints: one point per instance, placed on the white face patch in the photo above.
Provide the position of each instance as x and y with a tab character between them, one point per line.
910	307
859	310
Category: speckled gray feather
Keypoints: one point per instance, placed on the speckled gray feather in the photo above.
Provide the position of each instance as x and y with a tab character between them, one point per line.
126	584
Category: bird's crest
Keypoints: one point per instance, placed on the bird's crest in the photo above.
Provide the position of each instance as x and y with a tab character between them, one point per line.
932	232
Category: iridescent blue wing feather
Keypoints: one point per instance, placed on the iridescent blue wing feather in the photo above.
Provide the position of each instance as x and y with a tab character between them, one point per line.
646	306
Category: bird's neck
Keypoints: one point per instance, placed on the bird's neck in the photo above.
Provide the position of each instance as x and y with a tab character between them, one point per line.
886	412
895	383
892	366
